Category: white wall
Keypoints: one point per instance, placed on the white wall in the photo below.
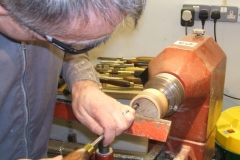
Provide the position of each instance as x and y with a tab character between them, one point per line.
160	27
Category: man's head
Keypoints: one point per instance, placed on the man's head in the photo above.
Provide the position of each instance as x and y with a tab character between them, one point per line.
70	21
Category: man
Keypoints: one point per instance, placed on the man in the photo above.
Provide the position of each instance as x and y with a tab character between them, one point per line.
30	66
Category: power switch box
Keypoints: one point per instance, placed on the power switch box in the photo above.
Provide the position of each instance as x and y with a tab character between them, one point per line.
187	17
228	13
197	8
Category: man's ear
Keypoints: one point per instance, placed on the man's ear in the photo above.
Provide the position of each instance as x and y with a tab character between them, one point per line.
3	12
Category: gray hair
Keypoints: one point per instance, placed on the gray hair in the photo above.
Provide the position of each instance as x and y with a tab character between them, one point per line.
46	16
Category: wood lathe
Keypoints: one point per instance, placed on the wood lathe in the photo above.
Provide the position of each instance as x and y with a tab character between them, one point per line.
181	100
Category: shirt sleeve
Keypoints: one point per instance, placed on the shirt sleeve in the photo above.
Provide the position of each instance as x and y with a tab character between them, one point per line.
77	67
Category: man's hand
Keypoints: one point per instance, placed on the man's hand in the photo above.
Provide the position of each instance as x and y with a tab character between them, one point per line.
55	158
99	112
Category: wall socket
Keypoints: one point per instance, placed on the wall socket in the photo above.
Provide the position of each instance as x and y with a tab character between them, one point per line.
197	8
228	13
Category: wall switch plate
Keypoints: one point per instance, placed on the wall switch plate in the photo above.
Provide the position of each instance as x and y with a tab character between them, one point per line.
228	13
197	8
238	15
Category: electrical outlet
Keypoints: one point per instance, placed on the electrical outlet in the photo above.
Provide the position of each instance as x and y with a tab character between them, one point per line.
228	13
197	8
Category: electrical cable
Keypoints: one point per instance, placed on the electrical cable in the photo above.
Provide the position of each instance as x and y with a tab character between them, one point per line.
215	16
186	28
215	35
231	97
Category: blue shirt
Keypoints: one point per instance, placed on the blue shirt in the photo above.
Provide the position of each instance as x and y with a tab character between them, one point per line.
28	86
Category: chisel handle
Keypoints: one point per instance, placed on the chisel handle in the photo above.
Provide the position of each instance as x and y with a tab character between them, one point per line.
116	82
148	59
85	152
133	79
